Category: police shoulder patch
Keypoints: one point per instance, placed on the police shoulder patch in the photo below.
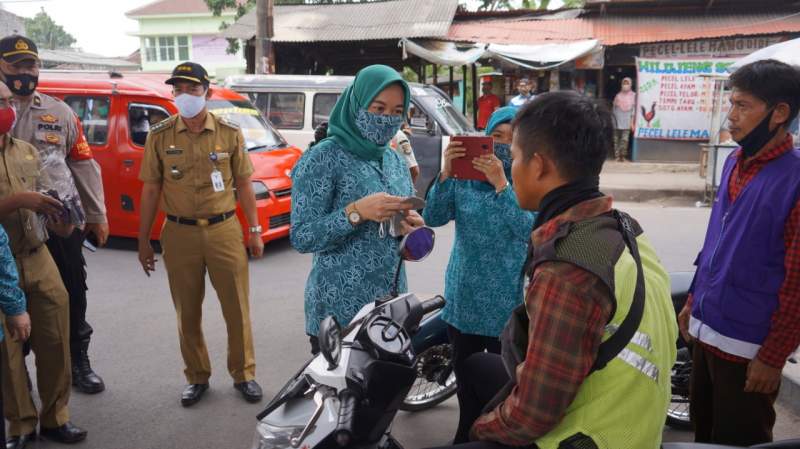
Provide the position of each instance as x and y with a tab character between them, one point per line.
163	125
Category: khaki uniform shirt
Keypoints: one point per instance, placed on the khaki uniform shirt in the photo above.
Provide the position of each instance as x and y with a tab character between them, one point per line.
181	162
53	128
21	171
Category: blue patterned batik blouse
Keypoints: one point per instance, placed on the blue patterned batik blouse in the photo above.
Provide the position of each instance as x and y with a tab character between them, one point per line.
484	278
12	300
352	266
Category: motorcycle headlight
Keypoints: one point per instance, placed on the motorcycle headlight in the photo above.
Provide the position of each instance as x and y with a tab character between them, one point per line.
275	437
261	190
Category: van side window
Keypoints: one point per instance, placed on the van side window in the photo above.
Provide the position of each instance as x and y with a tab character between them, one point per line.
323	105
141	117
283	110
418	120
93	112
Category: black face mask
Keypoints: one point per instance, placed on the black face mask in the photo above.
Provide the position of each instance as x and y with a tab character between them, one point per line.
22	85
758	137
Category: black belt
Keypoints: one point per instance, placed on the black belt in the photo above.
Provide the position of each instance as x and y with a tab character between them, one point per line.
202	221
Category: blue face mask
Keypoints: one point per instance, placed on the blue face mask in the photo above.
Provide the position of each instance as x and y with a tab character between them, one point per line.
503	152
378	128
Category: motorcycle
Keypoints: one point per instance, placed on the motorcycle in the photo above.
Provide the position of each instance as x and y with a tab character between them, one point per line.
349	394
436	382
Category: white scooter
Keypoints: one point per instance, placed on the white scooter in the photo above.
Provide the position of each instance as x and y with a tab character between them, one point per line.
349	394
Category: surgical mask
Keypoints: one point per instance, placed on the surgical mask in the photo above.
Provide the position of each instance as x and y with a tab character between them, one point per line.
378	128
190	105
758	137
8	118
22	85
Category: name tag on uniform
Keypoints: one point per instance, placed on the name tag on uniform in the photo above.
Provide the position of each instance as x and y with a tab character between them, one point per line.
216	181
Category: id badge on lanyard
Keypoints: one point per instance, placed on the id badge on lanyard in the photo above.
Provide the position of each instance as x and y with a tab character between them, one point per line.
216	176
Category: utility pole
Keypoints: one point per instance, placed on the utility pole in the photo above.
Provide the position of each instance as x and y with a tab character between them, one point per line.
265	54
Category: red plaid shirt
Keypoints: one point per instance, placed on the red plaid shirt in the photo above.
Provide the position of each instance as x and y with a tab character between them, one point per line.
784	334
568	309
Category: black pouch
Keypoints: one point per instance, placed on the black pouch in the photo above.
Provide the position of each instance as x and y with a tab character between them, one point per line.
578	441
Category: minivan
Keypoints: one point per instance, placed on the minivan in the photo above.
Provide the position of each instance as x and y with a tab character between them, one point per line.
296	104
117	110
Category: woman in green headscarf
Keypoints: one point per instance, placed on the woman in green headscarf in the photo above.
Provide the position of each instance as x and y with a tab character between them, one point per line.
345	189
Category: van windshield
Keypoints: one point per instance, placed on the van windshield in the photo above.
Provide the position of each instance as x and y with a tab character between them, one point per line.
258	135
438	106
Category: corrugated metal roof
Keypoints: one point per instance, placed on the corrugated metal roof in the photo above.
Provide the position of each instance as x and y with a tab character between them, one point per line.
354	21
85	60
627	29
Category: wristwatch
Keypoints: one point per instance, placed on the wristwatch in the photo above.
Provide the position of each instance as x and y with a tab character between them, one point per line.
353	216
255	229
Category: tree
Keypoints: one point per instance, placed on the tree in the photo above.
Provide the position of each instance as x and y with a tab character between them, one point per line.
46	33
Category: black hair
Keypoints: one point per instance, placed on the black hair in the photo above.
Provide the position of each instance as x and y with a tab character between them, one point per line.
772	82
576	132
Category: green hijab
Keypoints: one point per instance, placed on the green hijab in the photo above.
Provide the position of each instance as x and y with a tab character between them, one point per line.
369	82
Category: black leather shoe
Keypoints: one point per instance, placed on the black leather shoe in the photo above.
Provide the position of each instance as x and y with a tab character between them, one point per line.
19	442
67	433
250	390
192	394
83	377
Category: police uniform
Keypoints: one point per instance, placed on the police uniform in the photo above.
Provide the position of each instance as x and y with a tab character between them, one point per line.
21	171
53	128
196	173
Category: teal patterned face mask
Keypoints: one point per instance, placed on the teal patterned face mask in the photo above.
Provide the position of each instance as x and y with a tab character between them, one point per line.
503	152
378	128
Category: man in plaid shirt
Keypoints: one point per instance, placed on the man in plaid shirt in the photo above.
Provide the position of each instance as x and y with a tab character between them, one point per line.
557	399
744	312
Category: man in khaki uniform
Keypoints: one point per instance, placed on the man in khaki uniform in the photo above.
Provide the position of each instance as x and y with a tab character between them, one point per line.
21	178
193	161
53	128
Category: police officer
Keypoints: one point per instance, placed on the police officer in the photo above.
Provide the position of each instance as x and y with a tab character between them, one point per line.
51	126
21	209
193	161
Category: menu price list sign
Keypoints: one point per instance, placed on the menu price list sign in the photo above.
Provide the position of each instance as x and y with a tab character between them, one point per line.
676	97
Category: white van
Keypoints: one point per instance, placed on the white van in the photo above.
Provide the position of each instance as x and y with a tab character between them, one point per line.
296	104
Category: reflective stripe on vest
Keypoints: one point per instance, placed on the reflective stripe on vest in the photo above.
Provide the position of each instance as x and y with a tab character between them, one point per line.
635	360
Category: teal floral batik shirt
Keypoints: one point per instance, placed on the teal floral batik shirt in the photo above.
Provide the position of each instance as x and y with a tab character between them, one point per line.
12	299
352	266
484	281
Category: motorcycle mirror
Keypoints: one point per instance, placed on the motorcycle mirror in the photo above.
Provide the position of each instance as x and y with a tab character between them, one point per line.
330	341
417	245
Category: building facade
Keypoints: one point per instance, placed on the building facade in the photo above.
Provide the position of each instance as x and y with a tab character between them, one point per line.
172	31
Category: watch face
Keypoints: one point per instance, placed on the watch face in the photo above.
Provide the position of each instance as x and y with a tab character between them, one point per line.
354	217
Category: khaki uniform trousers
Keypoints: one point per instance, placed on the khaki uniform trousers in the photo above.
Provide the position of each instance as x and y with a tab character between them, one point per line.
48	306
189	251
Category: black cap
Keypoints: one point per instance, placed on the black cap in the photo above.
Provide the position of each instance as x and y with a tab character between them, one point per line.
189	71
16	48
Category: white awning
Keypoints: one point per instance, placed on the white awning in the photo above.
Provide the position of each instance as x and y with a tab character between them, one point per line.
443	52
537	57
542	56
788	52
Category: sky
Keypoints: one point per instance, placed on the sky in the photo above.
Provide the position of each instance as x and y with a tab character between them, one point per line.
100	26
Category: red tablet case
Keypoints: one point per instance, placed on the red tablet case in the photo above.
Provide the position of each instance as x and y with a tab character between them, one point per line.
476	146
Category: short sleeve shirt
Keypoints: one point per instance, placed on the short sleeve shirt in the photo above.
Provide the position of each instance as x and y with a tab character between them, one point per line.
183	163
21	171
402	146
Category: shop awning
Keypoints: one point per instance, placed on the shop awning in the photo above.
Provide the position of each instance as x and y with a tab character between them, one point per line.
536	56
788	52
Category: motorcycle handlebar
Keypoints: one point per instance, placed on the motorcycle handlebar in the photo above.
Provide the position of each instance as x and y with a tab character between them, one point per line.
347	413
432	304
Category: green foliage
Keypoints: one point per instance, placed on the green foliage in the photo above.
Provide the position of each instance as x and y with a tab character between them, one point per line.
242	7
46	33
507	5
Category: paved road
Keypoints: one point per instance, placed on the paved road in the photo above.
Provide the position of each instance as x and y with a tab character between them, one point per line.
136	347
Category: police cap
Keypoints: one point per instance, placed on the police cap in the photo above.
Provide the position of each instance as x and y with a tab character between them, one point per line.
189	71
17	48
